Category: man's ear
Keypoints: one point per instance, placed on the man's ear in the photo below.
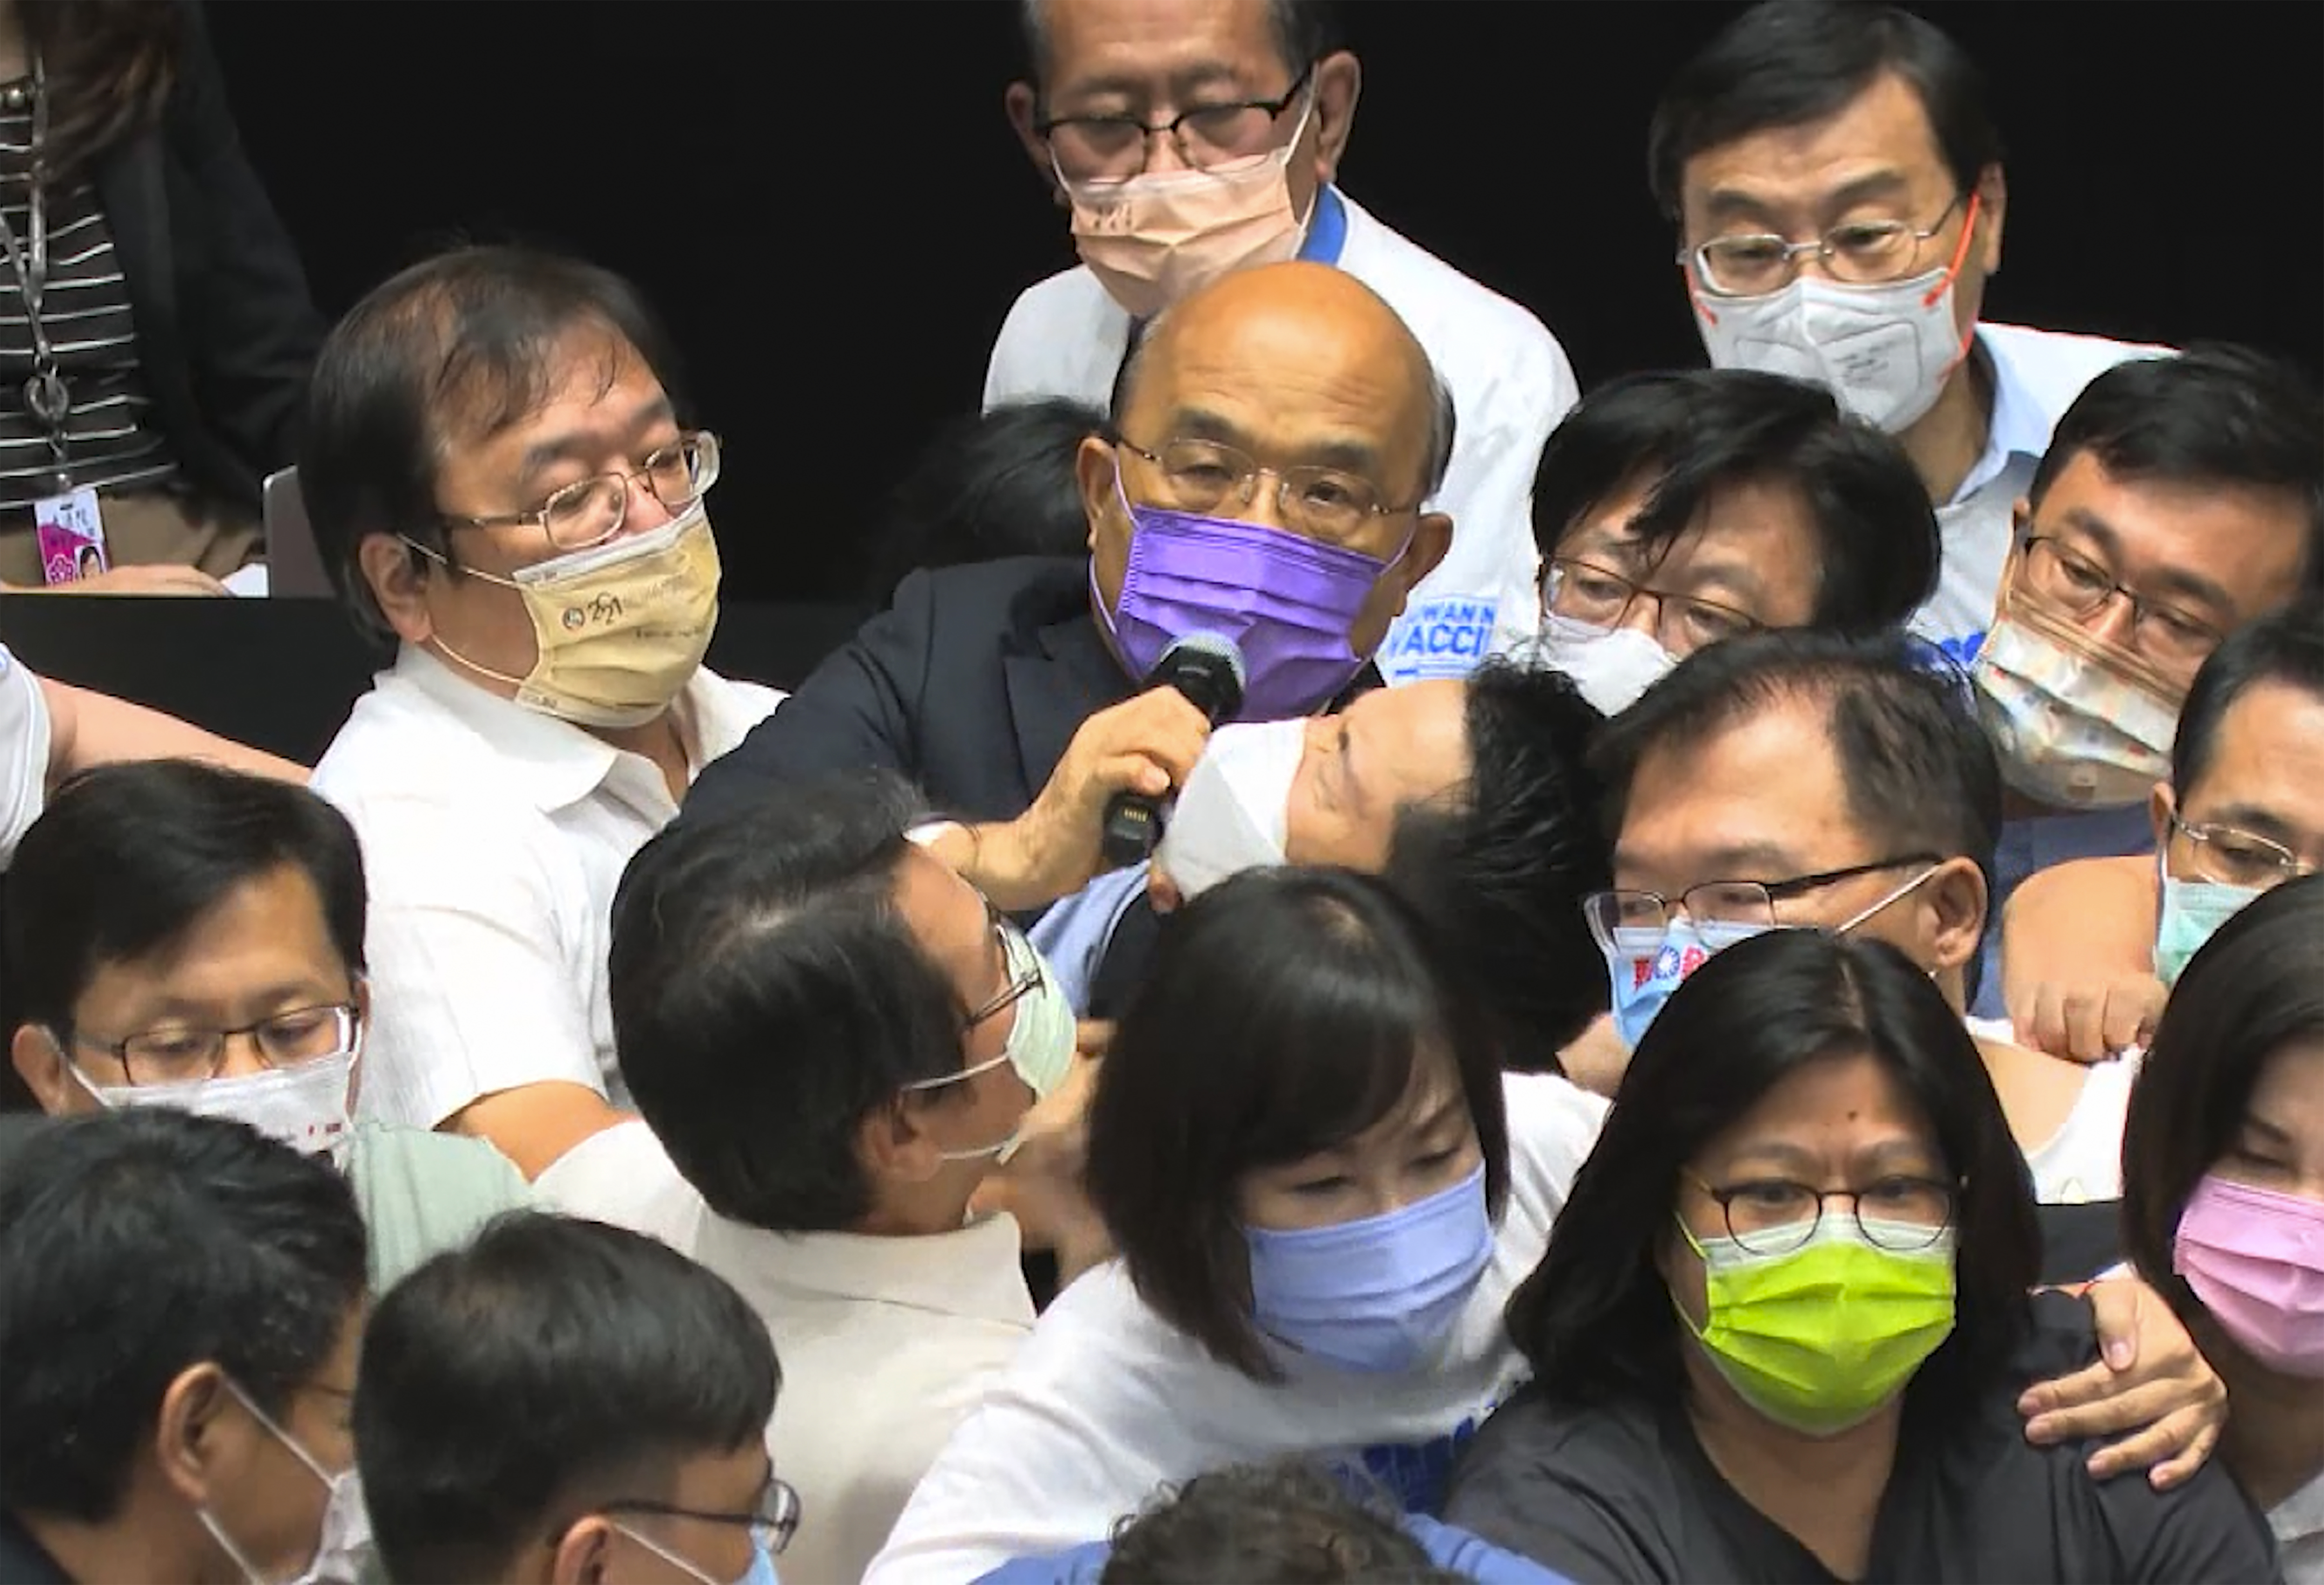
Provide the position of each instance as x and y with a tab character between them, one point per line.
582	1554
1095	469
2162	804
201	1436
1992	214
894	1148
1432	537
40	1063
397	576
1023	104
1954	902
1339	81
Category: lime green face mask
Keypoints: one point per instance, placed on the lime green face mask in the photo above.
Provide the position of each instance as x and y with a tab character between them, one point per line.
1821	1337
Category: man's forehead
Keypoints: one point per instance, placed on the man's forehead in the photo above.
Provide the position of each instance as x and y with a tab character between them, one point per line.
1094	45
1883	134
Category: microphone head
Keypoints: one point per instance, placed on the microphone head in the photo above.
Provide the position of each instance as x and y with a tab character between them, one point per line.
1209	669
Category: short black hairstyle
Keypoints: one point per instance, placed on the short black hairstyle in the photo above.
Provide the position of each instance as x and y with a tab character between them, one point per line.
1285	1012
2256	988
2285	646
1305	30
1788	64
450	352
128	860
1595	1317
551	1365
1288	1522
1500	867
769	995
134	1245
1003	482
1920	772
2217	416
1691	435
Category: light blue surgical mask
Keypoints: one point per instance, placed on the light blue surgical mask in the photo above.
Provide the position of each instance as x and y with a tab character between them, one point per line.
2191	914
1378	1294
1646	966
761	1571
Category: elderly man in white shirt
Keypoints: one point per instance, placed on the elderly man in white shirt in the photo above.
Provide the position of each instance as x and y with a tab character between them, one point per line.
1835	174
497	475
1192	137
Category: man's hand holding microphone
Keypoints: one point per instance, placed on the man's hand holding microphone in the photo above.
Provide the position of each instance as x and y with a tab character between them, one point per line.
1101	809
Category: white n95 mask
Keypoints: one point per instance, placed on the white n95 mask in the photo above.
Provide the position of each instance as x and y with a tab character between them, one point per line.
1612	666
304	1105
1234	812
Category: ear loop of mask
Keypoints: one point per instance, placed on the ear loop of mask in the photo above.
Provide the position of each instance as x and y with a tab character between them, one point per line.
438	639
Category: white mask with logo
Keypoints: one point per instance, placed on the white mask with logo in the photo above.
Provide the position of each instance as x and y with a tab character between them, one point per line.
1884	352
1233	813
304	1105
1612	666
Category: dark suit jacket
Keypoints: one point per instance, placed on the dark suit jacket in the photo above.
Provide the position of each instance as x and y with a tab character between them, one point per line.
970	684
227	332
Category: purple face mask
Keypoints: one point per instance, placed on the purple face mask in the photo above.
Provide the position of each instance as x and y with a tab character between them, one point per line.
1286	602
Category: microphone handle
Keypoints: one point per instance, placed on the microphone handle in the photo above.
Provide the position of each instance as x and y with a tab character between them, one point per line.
1133	824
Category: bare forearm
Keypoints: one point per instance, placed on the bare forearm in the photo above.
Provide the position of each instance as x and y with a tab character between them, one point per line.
87	729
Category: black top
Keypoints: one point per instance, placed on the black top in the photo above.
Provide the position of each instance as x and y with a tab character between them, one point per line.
1625	1495
227	331
22	1559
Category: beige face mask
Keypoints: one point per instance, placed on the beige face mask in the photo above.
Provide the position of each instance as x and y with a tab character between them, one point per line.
619	628
1153	239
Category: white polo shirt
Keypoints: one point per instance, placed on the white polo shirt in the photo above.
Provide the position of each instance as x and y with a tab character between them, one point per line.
1510	381
886	1344
24	752
1109	1402
493	837
2036	376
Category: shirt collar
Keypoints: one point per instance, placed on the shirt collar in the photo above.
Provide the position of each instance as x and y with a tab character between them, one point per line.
973	1274
554	763
2018	427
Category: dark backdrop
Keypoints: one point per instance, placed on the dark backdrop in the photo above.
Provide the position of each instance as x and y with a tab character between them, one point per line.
823	197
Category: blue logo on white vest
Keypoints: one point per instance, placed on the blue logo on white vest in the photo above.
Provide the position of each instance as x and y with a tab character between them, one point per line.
1439	638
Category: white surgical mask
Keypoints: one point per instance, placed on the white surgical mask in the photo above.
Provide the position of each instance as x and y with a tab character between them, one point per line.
2077	723
1040	1045
1234	812
343	1546
1612	666
304	1105
1884	352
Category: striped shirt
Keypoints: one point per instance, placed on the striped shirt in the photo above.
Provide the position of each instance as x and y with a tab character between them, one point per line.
113	441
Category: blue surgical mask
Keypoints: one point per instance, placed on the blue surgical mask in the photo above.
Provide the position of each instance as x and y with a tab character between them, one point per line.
1378	1294
1645	966
761	1571
2192	912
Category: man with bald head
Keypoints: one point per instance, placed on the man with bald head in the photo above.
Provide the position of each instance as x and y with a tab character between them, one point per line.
1264	477
1192	138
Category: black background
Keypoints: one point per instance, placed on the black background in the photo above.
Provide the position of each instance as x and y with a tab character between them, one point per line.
823	199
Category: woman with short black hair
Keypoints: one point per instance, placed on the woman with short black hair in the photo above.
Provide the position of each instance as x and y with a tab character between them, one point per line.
2223	1194
1324	1188
1781	1330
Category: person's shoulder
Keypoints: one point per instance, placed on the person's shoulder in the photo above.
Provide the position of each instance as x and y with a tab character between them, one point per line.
1551	1118
1045	345
1016	594
2052	367
1587	1491
444	1164
1465	325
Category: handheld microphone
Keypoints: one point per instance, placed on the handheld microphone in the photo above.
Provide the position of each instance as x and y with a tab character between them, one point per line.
1209	671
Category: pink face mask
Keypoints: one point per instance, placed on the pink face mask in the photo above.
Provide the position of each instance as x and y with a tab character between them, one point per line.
2256	1258
1153	239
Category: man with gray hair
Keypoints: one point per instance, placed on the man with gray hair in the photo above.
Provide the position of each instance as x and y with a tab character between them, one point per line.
1190	138
1264	477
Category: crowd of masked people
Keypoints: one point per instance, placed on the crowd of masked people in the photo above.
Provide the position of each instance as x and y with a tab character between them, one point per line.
1376	969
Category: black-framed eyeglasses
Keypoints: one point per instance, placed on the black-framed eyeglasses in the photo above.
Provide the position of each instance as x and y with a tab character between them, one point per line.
1329	503
1020	962
1860	253
1747	902
2240	858
1113	148
2081	586
772	1522
590	511
1590	591
178	1053
1772	1216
